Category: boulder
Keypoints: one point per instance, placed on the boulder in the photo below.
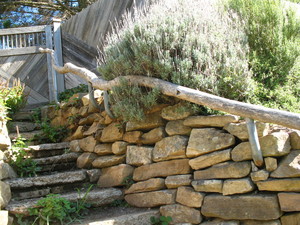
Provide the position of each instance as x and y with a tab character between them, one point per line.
275	144
170	148
103	149
114	176
153	136
178	180
119	147
289	202
153	184
188	197
210	121
151	121
85	160
279	185
88	144
289	166
237	186
162	169
74	146
138	156
151	199
113	132
6	171
224	171
133	136
5	194
290	219
181	214
240	129
208	160
271	164
176	127
107	161
241	207
295	139
259	175
208	185
176	112
205	140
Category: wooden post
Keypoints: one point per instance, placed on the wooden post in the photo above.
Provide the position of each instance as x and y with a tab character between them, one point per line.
60	78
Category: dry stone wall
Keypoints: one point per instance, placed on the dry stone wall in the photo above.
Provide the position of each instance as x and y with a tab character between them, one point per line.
196	169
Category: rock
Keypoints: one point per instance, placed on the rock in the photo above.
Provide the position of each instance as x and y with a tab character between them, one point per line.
237	186
48	112
5	218
90	119
78	134
94	175
240	129
178	180
181	214
295	139
138	156
224	170
279	185
221	222
107	120
271	164
170	148
162	169
210	121
88	144
22	126
112	133
261	222
74	146
176	112
242	152
5	194
176	127
259	175
205	140
93	129
208	185
114	176
51	146
2	156
151	199
188	197
153	136
85	160
275	144
4	138
289	166
119	147
153	184
103	149
84	111
6	171
241	207
210	159
109	160
290	219
151	121
133	136
289	202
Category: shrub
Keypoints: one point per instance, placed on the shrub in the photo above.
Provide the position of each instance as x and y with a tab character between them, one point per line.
65	95
192	43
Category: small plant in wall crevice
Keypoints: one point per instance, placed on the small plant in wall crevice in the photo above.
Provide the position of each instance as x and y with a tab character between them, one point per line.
162	220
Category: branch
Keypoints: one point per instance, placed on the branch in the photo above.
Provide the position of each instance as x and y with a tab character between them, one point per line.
260	113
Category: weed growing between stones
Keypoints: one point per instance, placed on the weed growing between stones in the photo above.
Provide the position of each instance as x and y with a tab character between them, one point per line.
162	220
128	181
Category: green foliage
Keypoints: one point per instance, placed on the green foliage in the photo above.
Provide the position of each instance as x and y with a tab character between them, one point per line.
20	161
65	95
273	31
119	203
162	220
128	181
52	134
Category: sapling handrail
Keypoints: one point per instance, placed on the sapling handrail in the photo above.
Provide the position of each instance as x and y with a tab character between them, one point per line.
246	110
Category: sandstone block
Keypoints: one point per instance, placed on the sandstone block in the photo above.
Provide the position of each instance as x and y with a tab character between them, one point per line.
90	119
271	164
242	207
178	180
133	136
241	152
208	185
151	199
261	222
78	134
208	160
85	160
289	166
240	129
181	214
94	175
6	171
176	112
5	218
114	176
153	184
289	202
295	139
113	132
176	127
5	194
210	121
221	222
107	161
153	136
205	140
275	144
290	219
224	170
151	121
170	148
237	186
162	169
138	156
87	144
259	175
93	129
103	149
188	197
279	185
74	146
84	111
119	147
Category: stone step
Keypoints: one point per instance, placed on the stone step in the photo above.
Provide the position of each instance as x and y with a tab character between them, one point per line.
49	146
96	197
64	158
33	135
48	180
22	126
58	167
23	116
